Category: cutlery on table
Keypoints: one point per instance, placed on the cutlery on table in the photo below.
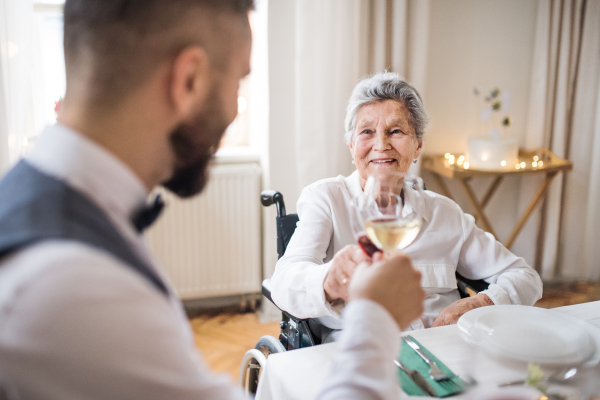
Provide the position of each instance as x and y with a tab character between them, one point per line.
434	371
417	378
558	377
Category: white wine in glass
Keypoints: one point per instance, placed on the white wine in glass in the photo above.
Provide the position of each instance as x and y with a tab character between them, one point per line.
392	233
382	210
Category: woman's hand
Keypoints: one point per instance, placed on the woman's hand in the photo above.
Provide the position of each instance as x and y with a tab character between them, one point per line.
454	311
342	268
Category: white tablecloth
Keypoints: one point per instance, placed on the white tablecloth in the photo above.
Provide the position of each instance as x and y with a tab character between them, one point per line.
300	374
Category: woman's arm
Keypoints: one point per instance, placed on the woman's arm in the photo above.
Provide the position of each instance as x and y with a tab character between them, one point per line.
311	281
511	280
481	256
297	284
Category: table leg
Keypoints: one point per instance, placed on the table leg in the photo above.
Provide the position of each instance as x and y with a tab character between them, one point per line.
476	206
440	181
530	208
491	191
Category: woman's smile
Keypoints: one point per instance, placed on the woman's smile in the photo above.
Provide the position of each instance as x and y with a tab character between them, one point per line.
383	139
383	161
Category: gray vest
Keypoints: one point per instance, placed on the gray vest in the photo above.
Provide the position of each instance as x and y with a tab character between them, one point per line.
35	207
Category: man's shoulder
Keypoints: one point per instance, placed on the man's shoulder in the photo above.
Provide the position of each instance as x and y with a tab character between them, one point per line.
65	268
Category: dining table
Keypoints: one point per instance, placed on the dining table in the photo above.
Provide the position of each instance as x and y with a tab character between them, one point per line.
300	374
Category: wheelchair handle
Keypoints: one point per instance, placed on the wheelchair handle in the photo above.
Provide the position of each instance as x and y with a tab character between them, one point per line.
268	197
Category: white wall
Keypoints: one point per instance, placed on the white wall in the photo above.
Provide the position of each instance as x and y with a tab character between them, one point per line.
483	43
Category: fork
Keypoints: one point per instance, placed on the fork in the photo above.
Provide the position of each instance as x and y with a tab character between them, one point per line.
453	386
434	371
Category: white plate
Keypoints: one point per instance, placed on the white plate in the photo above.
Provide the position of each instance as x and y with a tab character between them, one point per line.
531	334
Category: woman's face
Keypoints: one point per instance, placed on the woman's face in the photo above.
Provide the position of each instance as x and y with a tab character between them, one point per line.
383	139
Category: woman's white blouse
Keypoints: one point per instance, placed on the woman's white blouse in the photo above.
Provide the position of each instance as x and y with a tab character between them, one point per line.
449	241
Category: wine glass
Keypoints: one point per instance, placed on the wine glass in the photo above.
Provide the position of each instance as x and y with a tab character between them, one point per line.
388	210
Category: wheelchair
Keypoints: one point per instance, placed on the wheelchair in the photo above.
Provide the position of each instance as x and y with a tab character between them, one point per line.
295	332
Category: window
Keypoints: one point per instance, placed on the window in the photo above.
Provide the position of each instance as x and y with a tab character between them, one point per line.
51	67
49	21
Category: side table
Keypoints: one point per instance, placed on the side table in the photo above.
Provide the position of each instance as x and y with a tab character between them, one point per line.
550	166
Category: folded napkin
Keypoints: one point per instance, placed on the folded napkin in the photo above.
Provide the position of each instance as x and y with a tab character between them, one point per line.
412	360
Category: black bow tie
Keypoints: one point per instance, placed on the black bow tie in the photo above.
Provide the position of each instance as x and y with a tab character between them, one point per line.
145	216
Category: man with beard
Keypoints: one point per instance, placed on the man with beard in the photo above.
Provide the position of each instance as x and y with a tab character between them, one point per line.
85	311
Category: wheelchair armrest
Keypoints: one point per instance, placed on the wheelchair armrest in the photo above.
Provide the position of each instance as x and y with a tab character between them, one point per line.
266	290
295	332
469	287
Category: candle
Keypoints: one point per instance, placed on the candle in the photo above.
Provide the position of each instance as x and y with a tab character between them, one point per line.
491	153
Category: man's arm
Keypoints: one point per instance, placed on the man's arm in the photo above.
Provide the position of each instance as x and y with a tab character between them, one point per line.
363	368
384	298
87	327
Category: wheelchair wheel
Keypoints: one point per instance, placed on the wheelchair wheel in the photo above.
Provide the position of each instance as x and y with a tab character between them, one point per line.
269	345
255	360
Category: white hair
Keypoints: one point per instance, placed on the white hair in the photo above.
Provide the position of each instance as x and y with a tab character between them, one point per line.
386	86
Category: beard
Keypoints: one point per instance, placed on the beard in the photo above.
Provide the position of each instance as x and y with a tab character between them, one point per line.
194	145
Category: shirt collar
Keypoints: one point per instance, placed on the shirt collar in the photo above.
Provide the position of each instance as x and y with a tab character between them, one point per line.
412	199
89	168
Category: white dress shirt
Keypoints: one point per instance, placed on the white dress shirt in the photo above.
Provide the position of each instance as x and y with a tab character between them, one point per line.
449	241
76	323
363	368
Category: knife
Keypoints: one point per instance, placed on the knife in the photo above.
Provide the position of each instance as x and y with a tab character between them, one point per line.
417	378
417	349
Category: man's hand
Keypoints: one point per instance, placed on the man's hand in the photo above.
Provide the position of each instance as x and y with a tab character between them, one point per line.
454	311
341	271
394	284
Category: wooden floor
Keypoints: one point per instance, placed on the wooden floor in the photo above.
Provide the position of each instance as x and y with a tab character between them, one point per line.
224	337
566	294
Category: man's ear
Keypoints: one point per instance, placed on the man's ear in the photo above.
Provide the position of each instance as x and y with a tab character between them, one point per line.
190	81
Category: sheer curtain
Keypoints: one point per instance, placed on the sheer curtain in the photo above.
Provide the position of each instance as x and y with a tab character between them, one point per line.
16	71
564	116
337	43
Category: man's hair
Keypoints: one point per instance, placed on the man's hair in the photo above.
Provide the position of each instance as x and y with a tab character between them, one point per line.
115	44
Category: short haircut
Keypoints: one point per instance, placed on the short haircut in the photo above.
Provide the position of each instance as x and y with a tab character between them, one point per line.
386	86
116	44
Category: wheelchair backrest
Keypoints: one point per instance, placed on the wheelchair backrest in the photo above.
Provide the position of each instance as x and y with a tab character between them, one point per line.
285	229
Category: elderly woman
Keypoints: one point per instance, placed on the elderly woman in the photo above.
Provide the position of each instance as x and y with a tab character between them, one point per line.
385	123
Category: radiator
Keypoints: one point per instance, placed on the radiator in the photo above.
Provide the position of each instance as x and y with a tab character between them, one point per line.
210	245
